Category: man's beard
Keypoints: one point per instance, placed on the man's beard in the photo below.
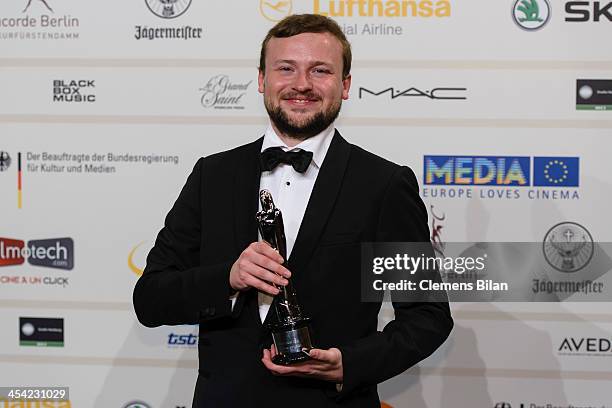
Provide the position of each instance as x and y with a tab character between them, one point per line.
305	129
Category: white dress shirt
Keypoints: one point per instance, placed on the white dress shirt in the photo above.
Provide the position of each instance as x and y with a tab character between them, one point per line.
291	190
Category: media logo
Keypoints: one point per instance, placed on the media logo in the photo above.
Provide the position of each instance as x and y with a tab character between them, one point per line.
44	2
275	11
555	171
531	15
136	404
594	94
168	8
501	177
503	405
80	90
5	161
41	332
585	346
439	93
220	93
182	340
568	247
475	170
580	11
55	253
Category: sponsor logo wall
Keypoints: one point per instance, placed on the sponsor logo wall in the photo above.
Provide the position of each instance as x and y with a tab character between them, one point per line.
502	109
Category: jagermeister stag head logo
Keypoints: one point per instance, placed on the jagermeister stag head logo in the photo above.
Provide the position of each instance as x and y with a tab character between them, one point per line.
568	247
168	8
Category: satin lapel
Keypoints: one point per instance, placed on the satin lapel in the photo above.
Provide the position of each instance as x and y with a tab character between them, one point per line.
321	203
246	193
246	204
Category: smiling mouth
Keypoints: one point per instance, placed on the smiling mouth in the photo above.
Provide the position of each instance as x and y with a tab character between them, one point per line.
300	101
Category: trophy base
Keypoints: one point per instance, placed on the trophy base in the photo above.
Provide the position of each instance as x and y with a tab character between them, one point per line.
292	342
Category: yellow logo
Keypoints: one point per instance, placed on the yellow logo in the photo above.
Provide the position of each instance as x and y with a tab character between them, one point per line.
275	10
4	403
131	264
383	404
383	8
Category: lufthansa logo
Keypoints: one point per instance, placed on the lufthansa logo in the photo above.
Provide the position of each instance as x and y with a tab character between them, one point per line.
275	10
131	264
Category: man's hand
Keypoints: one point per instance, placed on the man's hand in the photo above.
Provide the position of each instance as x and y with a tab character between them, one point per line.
259	266
323	365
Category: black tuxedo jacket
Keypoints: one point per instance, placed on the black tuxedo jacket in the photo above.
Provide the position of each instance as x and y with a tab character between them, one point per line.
357	197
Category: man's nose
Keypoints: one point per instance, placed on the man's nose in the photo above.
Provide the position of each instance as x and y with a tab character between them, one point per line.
302	82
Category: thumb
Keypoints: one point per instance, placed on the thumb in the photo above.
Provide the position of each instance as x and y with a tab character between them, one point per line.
321	355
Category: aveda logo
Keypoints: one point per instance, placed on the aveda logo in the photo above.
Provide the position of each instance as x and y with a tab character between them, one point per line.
585	346
383	8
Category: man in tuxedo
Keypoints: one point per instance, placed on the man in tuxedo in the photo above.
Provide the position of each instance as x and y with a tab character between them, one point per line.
208	266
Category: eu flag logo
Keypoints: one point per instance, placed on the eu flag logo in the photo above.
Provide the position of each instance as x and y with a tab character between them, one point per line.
556	171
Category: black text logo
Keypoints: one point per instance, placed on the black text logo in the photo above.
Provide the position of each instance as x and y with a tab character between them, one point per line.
582	11
41	332
434	93
81	90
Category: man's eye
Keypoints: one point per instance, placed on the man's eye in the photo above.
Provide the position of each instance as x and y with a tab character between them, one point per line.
284	68
321	71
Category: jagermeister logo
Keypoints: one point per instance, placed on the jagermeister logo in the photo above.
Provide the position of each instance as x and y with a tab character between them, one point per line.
168	8
531	14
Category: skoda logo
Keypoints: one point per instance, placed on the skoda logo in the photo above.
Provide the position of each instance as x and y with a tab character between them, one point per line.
531	15
137	404
168	8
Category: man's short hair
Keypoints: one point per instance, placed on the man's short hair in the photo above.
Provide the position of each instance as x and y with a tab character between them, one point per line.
308	23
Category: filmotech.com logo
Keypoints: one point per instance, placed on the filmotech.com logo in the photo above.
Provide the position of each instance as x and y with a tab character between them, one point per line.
168	10
594	94
55	253
41	332
75	90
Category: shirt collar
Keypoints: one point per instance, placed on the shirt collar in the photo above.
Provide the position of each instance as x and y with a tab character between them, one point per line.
318	144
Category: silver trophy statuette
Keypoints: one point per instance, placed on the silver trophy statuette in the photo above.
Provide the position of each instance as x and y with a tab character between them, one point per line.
291	331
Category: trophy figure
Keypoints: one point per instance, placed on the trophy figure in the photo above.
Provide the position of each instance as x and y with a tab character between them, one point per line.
291	332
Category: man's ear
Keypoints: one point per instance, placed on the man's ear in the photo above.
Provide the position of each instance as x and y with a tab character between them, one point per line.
346	86
260	81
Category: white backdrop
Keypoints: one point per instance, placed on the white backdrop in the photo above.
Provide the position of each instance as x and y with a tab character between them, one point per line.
149	97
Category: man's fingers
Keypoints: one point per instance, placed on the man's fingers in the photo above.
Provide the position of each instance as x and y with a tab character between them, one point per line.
260	285
264	248
264	274
266	257
331	356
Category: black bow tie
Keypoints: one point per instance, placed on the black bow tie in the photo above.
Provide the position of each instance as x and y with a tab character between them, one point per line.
273	156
